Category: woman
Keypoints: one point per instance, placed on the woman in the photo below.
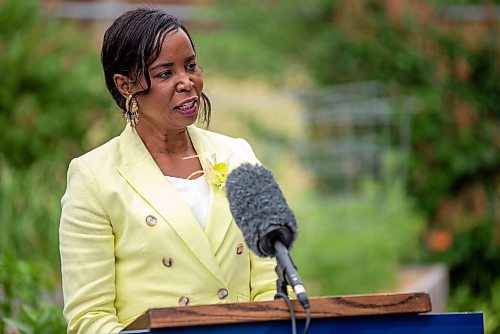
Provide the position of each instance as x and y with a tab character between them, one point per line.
144	224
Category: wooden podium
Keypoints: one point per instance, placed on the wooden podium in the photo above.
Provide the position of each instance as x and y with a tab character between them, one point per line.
393	313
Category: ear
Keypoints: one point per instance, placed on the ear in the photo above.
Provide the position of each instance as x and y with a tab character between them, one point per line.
123	84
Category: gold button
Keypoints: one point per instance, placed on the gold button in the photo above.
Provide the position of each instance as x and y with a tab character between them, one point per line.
168	261
239	249
222	293
183	301
151	220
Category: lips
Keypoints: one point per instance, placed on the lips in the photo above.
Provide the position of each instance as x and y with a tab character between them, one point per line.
187	107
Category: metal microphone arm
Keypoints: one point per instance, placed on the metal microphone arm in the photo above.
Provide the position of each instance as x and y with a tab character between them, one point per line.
281	290
287	274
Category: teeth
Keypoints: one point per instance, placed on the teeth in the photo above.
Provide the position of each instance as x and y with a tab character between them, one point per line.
187	105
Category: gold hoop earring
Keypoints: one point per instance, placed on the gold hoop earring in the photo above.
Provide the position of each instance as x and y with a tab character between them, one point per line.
131	113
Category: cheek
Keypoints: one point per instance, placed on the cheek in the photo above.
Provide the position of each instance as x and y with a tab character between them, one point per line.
198	83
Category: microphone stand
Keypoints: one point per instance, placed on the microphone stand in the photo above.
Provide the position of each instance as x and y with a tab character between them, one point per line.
282	291
288	275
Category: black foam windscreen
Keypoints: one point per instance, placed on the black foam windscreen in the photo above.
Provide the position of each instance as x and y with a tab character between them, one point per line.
259	209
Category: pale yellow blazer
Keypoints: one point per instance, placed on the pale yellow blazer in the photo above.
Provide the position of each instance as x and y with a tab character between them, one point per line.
129	242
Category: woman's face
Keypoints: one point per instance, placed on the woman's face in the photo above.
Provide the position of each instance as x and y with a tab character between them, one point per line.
176	85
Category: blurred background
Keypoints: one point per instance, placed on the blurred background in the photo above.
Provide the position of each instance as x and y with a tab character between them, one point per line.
379	118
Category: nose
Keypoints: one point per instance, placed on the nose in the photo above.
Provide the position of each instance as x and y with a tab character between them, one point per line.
184	83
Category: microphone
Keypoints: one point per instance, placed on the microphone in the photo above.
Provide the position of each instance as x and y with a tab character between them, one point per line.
268	225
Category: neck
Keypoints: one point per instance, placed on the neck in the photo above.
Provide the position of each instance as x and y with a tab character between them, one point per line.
169	142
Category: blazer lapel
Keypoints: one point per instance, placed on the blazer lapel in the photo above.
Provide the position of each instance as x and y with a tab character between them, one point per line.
219	216
142	173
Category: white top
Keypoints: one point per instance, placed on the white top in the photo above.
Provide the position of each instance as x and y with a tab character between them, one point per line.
196	193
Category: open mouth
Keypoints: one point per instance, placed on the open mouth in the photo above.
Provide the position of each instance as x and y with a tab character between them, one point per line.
188	107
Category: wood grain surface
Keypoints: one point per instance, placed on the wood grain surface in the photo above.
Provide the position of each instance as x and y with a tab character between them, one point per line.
324	307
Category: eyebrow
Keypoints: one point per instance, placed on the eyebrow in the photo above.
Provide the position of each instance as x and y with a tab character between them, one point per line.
187	60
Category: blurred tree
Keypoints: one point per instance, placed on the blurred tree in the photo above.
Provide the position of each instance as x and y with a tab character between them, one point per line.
53	106
50	88
412	46
23	307
419	48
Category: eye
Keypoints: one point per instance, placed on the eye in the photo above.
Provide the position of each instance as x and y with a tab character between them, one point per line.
164	74
191	67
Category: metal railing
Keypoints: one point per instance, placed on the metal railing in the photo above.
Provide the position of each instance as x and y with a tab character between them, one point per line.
350	129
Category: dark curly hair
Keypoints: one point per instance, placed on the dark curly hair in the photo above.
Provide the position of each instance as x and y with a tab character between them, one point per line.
132	43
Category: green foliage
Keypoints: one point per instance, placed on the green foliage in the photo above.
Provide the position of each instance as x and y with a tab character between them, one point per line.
53	106
30	209
50	88
451	70
464	299
46	320
336	44
257	38
355	244
475	274
455	132
368	59
25	287
472	252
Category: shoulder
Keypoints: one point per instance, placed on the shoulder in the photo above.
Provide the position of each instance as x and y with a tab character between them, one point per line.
99	159
101	151
100	154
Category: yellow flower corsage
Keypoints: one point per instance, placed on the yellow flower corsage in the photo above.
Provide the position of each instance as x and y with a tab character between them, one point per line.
215	172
